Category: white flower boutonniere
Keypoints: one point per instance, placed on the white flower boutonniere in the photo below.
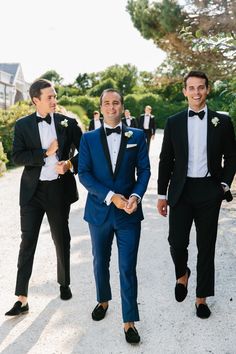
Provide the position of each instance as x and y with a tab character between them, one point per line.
128	134
64	123
215	121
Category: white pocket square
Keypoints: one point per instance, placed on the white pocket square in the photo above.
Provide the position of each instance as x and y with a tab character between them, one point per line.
128	146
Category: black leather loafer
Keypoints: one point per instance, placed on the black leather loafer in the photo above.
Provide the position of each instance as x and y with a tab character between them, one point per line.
202	311
17	309
65	293
132	336
99	313
181	290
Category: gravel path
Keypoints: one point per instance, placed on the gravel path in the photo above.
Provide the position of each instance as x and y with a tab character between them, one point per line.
56	327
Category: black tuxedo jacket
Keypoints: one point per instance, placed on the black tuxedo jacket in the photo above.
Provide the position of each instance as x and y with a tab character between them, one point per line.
173	165
152	124
28	152
133	122
92	125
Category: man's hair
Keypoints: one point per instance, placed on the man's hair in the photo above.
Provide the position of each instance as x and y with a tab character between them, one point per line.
149	107
95	112
111	90
199	74
37	86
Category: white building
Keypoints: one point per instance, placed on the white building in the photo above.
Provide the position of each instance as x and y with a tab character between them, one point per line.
13	87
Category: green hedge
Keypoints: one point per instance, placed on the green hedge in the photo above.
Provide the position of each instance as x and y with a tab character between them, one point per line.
7	123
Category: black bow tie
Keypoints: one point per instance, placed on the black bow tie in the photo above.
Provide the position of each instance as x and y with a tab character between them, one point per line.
46	119
200	114
113	130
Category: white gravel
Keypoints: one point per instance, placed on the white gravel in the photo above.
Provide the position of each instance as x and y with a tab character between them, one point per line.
53	326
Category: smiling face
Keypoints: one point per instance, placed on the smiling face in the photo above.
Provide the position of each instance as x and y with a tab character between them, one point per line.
111	108
47	101
196	92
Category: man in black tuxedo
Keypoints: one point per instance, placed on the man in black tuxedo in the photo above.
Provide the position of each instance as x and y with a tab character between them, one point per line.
197	165
96	122
129	120
42	144
147	124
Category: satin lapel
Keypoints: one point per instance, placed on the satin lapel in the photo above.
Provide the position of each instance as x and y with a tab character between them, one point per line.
60	130
210	128
184	131
105	148
122	149
35	131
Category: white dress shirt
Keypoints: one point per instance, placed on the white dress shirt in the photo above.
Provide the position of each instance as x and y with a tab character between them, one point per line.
128	121
197	146
113	142
47	133
146	121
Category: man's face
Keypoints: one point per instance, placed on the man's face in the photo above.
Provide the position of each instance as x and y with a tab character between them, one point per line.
196	92
96	116
111	108
147	110
127	113
47	102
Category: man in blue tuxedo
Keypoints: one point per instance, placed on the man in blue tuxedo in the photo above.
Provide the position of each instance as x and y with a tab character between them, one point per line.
114	167
197	166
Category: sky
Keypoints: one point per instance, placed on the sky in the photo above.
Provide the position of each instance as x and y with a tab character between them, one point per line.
72	37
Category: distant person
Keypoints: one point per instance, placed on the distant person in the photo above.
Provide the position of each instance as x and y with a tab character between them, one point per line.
197	165
42	143
129	120
114	168
96	122
147	124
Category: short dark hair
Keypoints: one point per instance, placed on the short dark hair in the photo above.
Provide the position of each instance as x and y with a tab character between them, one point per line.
199	74
111	90
37	86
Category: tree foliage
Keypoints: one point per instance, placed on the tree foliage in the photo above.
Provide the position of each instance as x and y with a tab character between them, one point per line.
53	76
198	35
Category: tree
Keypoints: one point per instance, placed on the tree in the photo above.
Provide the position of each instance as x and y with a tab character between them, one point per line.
199	35
125	77
53	76
82	82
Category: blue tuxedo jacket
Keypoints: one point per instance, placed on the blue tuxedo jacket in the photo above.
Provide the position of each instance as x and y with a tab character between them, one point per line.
131	175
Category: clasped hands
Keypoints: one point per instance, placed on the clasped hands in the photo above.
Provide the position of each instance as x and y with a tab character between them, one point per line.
62	166
128	205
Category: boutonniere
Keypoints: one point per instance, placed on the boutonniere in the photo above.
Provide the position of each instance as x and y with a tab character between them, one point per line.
64	123
128	134
215	121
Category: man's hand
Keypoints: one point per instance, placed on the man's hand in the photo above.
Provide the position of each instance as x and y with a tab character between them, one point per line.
162	207
131	205
119	200
61	167
53	147
153	136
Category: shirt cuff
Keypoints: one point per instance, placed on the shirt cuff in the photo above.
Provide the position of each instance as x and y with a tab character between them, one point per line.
108	197
161	196
225	186
136	195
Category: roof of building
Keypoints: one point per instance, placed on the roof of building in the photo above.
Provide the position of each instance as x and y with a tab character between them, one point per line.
10	68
